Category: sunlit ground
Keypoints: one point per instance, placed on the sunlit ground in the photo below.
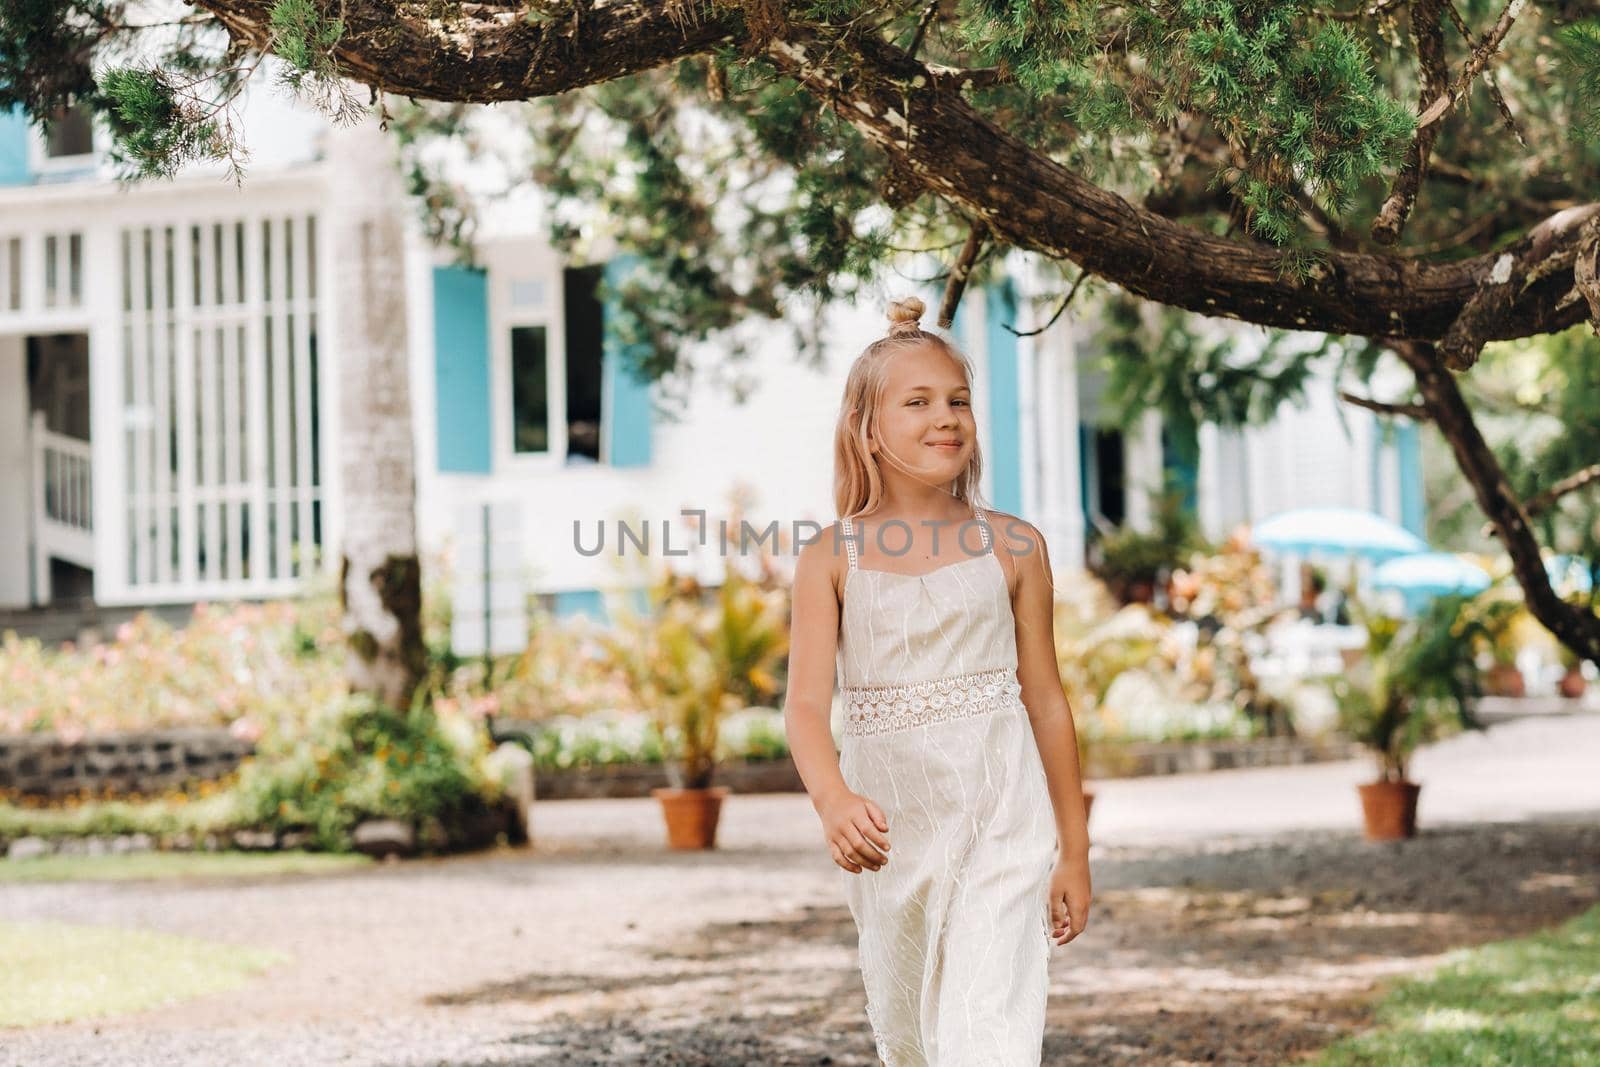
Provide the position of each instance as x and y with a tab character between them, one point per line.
59	972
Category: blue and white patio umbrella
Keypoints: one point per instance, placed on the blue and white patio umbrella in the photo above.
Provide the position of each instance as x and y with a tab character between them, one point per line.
1569	574
1421	577
1336	531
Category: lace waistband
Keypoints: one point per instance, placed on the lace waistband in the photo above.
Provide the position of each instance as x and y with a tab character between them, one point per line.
877	709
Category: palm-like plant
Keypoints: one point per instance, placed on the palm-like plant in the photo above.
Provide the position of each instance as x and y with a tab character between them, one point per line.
1416	683
690	661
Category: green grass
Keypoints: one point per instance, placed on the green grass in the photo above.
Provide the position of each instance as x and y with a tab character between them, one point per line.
168	815
1531	1002
139	865
58	972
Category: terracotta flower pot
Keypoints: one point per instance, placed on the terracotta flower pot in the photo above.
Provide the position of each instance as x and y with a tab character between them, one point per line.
691	815
1505	680
1389	809
1573	683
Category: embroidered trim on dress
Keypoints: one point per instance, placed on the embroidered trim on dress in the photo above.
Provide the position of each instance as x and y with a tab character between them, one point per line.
878	709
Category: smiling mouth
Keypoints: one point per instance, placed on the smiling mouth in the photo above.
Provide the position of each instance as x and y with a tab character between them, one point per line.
945	444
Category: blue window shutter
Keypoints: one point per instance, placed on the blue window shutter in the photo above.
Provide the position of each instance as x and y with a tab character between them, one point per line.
592	603
575	602
14	141
1086	463
1005	396
627	407
461	369
1408	441
1180	459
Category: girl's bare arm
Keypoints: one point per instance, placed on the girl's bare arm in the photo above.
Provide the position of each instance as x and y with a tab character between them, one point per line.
853	825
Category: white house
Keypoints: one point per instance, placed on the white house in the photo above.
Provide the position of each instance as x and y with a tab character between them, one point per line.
167	419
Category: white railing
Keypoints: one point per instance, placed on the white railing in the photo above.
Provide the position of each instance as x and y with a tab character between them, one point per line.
63	499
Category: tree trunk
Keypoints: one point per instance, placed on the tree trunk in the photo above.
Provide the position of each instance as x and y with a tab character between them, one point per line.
380	581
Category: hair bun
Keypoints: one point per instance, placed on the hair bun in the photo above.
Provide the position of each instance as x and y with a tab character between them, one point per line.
905	316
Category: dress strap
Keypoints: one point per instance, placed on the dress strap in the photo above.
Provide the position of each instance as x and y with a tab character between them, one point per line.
983	530
849	542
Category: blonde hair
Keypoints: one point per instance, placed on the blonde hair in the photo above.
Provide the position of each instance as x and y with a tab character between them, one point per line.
857	481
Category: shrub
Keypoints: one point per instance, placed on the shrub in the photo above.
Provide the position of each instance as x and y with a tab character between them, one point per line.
252	666
363	760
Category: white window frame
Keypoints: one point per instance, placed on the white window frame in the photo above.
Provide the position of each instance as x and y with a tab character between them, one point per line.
508	264
42	163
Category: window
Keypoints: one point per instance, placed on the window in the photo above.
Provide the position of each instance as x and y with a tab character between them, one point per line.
70	133
583	358
1108	449
530	390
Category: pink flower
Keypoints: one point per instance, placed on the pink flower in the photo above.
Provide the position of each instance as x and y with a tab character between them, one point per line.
246	729
125	632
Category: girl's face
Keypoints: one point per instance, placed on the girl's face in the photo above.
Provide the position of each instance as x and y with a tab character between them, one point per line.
925	416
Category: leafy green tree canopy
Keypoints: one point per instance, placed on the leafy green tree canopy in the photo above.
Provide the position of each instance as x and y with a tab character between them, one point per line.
1412	172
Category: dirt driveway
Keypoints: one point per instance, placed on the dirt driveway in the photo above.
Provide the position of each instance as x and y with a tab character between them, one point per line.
1231	937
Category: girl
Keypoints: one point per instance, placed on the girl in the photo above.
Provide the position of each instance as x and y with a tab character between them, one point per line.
954	803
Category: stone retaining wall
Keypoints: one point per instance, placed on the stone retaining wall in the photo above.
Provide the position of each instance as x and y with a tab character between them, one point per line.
1132	760
135	762
636	779
1140	759
153	761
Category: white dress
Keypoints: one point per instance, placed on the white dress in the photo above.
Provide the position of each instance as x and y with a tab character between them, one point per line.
955	927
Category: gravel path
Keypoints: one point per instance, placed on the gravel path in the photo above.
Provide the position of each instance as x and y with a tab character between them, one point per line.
1239	918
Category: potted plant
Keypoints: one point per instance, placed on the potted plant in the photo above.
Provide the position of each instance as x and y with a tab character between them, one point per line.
1132	562
695	657
1499	619
1414	686
1572	683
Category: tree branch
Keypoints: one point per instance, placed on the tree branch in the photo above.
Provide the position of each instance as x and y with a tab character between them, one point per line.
1032	202
481	53
957	282
959	78
1570	484
922	27
1066	301
1476	62
1550	250
1410	411
1586	272
1428	36
1578	629
484	52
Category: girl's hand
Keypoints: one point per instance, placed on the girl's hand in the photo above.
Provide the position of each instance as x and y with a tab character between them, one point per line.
1069	899
856	831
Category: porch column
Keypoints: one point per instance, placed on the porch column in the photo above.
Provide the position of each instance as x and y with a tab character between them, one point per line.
16	466
101	285
1143	470
1052	473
